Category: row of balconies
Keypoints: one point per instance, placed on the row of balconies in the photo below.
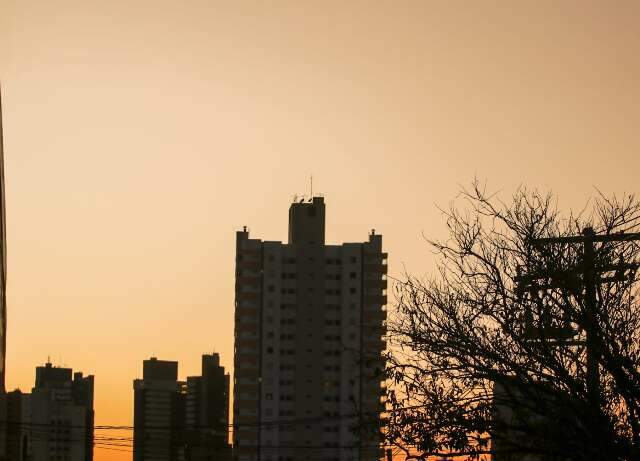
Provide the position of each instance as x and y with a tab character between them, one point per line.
253	281
373	316
248	295
376	257
374	345
375	299
374	268
376	283
251	265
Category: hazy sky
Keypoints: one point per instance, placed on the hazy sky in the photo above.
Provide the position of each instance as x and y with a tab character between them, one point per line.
140	135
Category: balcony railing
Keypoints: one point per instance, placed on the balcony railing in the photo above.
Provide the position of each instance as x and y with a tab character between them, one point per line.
375	299
375	268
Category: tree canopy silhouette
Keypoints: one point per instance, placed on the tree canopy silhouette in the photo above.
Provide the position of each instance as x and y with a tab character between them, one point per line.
525	343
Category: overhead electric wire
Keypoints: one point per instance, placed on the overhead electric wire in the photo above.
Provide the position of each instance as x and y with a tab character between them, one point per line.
273	423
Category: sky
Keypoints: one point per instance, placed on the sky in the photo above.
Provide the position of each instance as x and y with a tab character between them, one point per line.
140	135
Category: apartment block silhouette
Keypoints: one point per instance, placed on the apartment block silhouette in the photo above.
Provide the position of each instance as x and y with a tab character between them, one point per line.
181	421
309	326
207	413
53	422
158	421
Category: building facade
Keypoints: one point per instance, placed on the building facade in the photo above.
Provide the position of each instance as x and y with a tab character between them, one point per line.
207	413
309	326
158	421
15	439
55	421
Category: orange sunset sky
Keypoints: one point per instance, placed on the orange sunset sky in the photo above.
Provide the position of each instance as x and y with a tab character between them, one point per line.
140	135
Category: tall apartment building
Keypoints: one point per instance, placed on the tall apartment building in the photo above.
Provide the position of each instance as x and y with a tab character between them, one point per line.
309	326
55	421
158	413
207	413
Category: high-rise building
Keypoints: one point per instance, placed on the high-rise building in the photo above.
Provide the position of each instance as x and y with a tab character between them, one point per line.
309	327
55	421
158	413
207	413
62	401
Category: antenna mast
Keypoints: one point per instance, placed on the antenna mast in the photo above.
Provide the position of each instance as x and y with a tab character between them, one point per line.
311	181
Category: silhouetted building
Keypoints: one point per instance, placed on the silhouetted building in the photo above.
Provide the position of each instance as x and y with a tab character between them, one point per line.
63	400
55	421
535	422
158	421
309	322
207	413
15	408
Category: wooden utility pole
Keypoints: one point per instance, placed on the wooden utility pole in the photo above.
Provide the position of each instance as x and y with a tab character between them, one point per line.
591	278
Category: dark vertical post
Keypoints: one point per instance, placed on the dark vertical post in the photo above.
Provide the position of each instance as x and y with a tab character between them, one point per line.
3	262
593	370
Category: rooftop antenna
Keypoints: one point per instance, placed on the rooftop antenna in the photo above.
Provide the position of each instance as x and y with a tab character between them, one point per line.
311	181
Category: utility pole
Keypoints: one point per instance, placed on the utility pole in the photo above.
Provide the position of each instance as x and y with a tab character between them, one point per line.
3	262
591	278
591	311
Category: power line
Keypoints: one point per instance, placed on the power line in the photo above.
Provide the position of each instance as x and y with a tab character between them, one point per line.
273	423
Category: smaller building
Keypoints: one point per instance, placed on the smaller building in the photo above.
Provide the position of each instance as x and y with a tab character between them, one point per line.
207	413
54	422
535	422
158	413
181	421
14	406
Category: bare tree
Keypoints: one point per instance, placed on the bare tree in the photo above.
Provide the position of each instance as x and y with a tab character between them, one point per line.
525	344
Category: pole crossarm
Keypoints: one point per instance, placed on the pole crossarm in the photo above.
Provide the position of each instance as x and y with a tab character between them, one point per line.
569	274
585	238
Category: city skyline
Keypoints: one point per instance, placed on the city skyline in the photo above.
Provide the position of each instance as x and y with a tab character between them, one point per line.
139	139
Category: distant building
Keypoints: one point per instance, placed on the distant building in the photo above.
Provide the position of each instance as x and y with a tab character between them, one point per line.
207	413
54	422
158	413
61	401
15	439
535	422
309	326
